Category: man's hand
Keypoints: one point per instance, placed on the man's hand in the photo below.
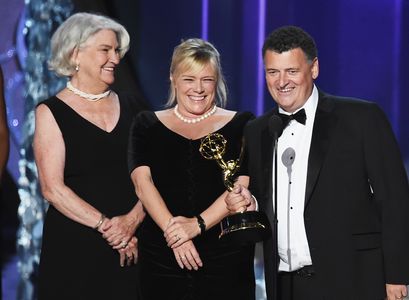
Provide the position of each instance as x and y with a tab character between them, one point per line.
396	291
240	200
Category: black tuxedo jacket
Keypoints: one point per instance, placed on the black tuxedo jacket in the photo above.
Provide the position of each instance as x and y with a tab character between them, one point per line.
356	199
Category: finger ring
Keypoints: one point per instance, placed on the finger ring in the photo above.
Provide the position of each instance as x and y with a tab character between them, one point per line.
124	244
176	237
183	257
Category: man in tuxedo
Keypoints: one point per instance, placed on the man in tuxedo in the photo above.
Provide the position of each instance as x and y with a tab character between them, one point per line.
342	190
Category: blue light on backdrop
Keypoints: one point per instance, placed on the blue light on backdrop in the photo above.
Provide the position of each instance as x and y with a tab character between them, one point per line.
260	65
205	19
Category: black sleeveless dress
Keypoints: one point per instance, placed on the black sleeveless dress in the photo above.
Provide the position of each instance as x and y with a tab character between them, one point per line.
76	262
189	184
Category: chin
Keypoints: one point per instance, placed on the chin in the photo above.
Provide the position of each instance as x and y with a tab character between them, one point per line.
286	105
109	81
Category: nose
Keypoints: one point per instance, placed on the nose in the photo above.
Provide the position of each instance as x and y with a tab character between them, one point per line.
283	80
198	88
115	57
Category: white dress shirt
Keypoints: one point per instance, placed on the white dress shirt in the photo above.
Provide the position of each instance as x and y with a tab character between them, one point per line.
292	240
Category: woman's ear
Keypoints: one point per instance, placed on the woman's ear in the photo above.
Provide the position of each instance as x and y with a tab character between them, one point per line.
75	56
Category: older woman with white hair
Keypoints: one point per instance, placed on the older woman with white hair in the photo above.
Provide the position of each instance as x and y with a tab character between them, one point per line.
89	246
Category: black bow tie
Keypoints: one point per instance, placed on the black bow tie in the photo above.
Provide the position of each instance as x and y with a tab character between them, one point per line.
299	116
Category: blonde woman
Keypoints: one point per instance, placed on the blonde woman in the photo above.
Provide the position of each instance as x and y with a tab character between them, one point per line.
181	256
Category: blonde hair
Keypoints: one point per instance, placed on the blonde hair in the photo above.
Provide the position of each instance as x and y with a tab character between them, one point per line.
194	54
74	32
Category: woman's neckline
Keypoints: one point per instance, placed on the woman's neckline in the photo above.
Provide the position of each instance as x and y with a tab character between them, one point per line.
91	123
200	137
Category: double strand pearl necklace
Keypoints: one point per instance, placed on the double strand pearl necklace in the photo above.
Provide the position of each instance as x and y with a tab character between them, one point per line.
194	120
89	97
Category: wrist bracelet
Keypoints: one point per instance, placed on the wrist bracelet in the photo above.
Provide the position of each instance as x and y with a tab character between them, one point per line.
101	220
201	223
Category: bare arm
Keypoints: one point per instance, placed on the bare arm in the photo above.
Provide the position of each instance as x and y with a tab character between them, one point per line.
187	228
4	132
150	197
156	207
49	152
218	210
186	255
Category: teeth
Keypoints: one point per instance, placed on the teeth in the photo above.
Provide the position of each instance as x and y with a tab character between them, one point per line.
286	90
196	98
109	69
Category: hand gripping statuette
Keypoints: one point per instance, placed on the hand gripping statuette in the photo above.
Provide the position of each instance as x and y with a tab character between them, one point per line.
248	226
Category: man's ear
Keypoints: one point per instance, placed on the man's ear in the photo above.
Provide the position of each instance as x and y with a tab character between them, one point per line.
315	69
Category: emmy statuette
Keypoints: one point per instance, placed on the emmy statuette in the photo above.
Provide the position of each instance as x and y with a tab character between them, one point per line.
249	226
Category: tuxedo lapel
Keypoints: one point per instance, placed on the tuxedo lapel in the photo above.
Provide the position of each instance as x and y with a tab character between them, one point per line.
324	124
266	155
267	163
269	245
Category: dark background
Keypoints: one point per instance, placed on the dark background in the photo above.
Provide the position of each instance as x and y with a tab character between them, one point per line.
363	46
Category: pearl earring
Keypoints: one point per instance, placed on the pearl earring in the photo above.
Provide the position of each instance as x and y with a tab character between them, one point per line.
77	68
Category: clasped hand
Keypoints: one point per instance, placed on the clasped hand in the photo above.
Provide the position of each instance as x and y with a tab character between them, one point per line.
119	230
129	254
181	229
119	233
179	234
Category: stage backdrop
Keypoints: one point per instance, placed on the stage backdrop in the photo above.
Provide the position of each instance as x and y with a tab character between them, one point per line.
363	47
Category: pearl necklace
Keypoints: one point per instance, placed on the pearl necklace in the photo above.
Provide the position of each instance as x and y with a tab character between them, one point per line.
89	97
194	120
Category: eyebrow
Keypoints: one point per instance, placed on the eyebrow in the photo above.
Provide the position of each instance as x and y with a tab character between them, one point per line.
286	69
193	76
105	45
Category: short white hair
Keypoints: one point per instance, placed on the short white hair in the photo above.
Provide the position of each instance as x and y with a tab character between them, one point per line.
74	33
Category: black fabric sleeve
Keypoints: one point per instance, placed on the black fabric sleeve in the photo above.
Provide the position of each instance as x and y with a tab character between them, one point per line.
244	171
139	140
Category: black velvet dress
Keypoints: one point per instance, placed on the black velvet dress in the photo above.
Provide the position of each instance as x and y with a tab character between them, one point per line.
189	184
76	261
